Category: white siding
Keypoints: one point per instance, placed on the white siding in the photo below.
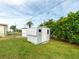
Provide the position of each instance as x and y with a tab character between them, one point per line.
44	35
32	31
32	39
39	34
33	35
24	33
3	30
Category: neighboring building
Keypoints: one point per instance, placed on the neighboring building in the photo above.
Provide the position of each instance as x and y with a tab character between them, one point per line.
3	30
36	35
24	33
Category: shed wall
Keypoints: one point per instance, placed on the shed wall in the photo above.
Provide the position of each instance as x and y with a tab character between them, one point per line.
33	35
32	39
44	35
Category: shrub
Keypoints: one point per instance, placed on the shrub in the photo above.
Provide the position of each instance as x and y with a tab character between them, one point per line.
75	39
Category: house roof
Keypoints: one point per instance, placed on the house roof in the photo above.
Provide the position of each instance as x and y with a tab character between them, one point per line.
3	25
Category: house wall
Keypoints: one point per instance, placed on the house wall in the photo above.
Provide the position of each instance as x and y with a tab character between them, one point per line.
3	31
24	32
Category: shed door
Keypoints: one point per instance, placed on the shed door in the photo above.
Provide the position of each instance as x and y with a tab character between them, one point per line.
39	35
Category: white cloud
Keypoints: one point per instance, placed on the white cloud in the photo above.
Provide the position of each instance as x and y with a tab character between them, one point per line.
18	21
2	14
13	2
17	2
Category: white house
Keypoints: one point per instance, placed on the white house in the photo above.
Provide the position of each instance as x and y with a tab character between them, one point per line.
36	35
24	33
3	30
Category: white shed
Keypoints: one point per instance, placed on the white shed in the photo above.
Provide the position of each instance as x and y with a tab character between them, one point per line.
36	35
3	30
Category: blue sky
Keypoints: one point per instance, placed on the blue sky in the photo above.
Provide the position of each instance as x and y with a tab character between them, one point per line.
21	11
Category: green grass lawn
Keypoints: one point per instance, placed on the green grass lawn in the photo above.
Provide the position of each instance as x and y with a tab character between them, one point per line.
19	48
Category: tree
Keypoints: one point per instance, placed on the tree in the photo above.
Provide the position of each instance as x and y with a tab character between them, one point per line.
29	23
13	27
65	28
18	30
68	27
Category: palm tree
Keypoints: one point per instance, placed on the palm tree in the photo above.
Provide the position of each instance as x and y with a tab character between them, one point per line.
29	23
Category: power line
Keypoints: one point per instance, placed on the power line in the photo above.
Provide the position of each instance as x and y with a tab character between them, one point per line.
42	12
49	9
22	13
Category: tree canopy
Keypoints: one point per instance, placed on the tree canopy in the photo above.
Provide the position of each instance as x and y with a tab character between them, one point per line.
13	27
66	28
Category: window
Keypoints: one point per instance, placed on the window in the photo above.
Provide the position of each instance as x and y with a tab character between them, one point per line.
39	30
47	31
